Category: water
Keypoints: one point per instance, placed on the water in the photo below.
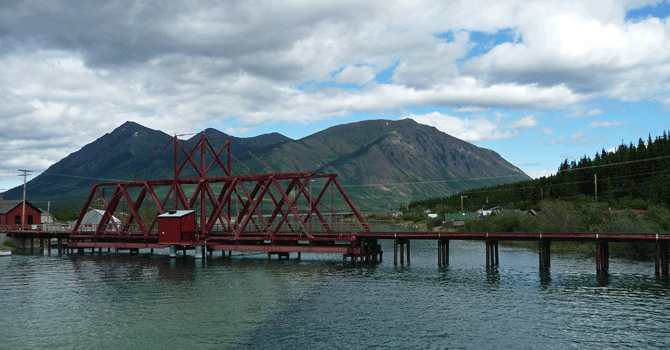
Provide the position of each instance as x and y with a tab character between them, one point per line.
152	302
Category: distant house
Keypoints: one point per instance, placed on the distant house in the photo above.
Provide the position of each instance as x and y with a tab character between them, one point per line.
458	220
92	219
11	213
484	212
47	218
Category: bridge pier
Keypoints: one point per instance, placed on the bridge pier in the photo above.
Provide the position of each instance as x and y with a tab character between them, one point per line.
280	255
370	253
662	258
602	256
492	257
400	243
442	252
544	250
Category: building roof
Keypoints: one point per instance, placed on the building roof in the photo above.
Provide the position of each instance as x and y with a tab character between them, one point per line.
7	206
94	216
176	213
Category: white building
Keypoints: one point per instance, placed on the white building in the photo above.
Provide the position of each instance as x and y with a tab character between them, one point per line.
92	219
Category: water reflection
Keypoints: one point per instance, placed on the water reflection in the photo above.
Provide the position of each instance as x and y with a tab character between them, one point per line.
545	278
603	278
140	301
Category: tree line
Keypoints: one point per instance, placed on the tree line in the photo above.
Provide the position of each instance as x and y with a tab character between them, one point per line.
629	177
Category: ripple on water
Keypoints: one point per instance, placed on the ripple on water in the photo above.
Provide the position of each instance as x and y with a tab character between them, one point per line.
110	302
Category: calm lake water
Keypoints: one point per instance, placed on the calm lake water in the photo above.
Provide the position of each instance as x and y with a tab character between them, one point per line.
152	302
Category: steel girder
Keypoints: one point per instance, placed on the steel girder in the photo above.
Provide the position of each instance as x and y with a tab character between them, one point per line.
229	207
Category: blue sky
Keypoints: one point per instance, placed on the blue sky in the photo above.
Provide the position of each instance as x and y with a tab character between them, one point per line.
537	82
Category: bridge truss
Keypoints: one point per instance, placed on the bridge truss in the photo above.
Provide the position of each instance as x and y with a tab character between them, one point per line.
231	210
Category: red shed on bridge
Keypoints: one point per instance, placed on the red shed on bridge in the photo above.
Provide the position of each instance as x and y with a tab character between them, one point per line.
176	227
11	213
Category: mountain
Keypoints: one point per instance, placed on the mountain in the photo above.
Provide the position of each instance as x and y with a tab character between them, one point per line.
383	162
380	163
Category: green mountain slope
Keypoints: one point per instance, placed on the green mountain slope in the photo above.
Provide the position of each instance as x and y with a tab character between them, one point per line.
379	162
382	162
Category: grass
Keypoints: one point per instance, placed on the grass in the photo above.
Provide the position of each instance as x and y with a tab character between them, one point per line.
7	245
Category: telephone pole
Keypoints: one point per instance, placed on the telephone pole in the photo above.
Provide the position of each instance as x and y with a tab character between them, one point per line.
23	216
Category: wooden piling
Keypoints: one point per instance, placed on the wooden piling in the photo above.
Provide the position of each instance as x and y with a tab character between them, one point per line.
492	258
408	255
602	256
395	252
662	258
545	254
442	252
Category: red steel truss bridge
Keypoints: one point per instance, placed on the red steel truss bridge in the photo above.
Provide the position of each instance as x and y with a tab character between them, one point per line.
278	213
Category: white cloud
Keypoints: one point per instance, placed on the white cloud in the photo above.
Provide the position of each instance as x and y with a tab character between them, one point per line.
475	129
73	71
356	75
590	49
594	112
547	131
606	124
527	122
541	173
469	110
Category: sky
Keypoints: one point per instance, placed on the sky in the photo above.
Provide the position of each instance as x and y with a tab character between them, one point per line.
538	82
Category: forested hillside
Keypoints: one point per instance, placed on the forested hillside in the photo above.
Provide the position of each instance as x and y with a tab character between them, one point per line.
632	176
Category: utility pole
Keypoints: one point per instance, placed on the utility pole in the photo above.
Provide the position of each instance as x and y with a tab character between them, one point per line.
23	216
462	196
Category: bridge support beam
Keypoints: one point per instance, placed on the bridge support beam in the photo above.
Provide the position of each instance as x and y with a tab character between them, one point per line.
662	258
544	246
492	253
400	243
280	255
602	256
442	252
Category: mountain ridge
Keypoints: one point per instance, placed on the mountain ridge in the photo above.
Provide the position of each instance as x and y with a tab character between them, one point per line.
379	162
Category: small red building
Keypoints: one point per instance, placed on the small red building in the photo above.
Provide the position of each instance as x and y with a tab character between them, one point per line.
11	213
176	226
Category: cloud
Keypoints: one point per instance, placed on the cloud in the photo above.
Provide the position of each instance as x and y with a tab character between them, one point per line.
606	124
541	173
358	75
528	122
475	129
585	48
74	70
547	131
594	112
469	109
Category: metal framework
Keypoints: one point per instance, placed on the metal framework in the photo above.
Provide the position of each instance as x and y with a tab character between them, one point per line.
229	208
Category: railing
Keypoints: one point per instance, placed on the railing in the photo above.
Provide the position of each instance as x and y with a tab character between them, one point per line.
65	227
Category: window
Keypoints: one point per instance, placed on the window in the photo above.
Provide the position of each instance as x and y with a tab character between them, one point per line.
17	220
30	219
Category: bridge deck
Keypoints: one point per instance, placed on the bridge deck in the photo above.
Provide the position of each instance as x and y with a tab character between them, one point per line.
362	246
354	236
